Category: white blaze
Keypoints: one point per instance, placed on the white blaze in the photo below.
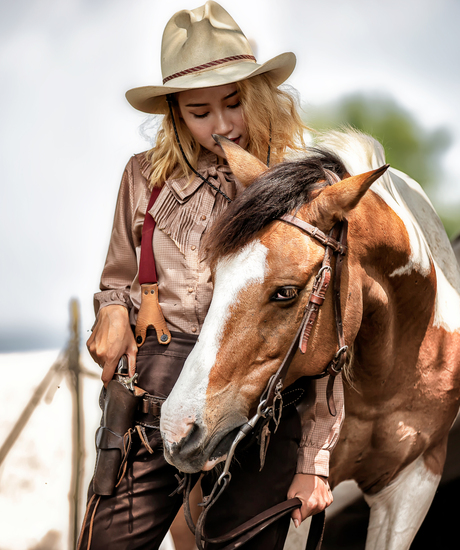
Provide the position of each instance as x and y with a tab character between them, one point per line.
232	275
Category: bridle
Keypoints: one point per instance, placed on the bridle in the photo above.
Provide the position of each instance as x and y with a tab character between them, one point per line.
271	401
335	244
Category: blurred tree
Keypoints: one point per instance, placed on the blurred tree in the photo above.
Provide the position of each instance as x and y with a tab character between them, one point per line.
408	146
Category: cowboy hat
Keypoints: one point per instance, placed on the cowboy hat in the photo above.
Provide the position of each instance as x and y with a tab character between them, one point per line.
201	48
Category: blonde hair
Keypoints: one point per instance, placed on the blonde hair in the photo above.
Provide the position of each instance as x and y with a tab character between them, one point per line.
270	114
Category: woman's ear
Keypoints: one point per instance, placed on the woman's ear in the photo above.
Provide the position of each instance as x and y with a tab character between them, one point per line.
245	166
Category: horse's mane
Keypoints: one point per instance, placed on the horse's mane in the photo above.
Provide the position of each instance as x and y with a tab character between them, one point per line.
283	189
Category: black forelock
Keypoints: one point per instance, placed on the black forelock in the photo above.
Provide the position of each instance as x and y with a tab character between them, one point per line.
282	189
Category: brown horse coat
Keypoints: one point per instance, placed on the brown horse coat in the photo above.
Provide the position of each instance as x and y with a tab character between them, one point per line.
401	309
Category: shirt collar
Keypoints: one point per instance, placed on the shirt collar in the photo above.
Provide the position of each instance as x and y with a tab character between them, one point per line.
186	186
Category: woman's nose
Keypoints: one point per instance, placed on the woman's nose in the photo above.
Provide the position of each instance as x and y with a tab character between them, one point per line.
223	125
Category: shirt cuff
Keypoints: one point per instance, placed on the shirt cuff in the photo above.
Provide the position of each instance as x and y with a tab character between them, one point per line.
313	461
111	297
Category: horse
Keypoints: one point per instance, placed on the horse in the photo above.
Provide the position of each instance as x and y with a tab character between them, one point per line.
400	312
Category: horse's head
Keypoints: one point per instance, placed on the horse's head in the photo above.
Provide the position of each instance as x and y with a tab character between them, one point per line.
263	271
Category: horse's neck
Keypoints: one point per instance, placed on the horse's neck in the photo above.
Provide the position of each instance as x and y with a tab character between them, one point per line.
398	297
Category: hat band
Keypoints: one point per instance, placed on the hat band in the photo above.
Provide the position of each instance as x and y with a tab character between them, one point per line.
208	65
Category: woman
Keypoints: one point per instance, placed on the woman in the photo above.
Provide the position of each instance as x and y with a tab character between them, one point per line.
211	85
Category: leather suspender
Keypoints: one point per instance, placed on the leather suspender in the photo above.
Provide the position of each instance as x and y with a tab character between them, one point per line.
147	269
150	313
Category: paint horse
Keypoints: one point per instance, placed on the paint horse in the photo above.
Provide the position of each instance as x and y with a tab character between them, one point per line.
401	319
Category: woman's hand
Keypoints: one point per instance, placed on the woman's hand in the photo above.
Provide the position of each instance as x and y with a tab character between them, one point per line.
313	491
111	338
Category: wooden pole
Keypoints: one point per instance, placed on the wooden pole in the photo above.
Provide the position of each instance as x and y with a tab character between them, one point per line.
68	362
30	407
78	445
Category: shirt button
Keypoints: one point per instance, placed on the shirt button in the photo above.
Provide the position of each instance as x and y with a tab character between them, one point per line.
190	289
194	329
193	247
203	217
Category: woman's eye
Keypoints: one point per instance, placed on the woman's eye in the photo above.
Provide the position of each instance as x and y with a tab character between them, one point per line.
235	105
204	115
285	293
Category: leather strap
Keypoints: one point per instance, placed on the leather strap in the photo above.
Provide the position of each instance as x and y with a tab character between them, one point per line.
246	531
315	301
255	525
314	232
150	314
336	241
316	533
335	367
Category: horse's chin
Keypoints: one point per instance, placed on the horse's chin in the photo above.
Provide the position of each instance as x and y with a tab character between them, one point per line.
213	462
203	462
187	466
219	454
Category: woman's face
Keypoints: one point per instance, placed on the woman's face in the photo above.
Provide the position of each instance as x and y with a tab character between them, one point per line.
216	110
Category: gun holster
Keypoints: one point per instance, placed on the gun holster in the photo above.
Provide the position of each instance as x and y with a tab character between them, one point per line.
119	408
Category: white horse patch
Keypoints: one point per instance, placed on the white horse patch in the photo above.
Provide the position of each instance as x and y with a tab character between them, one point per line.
232	275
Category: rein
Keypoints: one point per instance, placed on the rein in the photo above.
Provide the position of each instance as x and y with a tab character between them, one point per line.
335	244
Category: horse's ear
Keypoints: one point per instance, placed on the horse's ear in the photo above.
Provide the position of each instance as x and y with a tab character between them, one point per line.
335	201
245	166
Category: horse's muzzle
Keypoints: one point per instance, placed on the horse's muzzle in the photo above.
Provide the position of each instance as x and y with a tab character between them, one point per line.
195	450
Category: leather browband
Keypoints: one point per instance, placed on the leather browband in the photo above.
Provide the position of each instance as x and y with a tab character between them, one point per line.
314	232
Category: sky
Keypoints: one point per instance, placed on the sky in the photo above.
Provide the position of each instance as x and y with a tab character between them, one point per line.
67	131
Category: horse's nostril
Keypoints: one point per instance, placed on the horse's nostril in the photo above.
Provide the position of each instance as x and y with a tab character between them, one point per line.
189	427
191	440
193	428
174	429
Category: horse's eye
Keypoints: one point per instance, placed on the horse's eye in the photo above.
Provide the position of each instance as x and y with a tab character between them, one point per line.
285	293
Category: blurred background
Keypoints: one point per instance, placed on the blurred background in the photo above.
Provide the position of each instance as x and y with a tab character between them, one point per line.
66	133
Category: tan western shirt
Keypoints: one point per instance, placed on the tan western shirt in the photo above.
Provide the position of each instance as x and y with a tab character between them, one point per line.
183	211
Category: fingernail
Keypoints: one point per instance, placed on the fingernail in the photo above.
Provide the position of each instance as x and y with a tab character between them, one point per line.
296	523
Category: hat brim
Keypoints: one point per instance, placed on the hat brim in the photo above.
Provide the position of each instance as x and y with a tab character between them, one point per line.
151	99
